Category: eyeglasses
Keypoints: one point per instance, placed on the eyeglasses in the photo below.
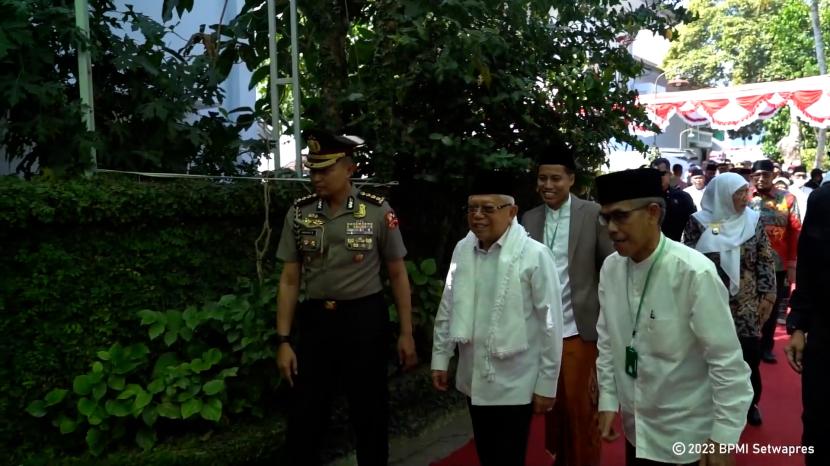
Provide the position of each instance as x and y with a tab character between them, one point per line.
618	216
488	209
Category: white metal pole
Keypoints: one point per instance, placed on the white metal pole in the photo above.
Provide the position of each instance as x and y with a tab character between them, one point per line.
295	87
276	127
822	67
85	75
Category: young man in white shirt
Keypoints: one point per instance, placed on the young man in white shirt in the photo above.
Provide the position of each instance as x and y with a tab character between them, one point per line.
569	226
502	309
669	355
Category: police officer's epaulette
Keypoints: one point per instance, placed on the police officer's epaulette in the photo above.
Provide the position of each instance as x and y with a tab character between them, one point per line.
373	198
305	200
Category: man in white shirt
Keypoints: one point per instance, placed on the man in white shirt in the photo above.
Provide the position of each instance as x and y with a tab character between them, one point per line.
569	226
502	309
669	356
697	187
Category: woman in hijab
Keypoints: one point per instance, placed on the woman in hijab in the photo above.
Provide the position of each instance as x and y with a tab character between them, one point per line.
730	235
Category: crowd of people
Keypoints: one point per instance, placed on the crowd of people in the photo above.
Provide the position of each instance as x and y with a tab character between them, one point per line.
656	303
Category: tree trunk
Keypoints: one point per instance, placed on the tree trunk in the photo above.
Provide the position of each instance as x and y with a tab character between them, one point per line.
822	66
790	145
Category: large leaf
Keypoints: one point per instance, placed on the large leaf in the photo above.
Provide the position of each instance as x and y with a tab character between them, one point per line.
116	382
118	408
37	408
99	390
212	410
55	396
142	399
169	410
67	425
191	407
213	387
82	385
429	267
86	406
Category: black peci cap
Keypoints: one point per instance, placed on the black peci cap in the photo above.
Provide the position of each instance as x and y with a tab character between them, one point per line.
763	166
494	182
629	184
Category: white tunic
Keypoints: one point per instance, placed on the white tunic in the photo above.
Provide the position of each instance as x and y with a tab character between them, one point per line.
696	194
692	383
519	376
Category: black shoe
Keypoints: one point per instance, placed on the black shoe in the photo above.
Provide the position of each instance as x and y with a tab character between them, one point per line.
768	357
753	416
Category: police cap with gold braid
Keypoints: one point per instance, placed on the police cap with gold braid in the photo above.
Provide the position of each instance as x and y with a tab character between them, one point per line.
325	149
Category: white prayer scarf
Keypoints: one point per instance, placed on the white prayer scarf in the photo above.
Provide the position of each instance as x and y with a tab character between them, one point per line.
507	333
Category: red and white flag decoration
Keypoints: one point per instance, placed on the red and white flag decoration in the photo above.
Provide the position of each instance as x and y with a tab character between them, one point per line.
737	106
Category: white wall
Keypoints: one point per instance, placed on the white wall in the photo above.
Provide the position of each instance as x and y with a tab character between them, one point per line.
207	13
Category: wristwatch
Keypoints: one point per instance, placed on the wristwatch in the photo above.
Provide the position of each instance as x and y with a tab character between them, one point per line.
284	339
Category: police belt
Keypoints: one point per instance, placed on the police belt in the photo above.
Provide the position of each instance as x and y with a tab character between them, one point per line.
341	304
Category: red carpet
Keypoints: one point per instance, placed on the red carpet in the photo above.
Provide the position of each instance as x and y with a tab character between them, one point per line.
780	407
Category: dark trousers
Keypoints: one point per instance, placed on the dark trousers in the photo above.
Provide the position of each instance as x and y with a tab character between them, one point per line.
632	460
501	433
751	348
343	349
768	330
815	384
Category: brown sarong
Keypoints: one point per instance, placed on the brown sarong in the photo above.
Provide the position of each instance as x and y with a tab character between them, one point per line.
571	432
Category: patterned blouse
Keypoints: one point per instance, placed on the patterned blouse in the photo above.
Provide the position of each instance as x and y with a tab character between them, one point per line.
757	276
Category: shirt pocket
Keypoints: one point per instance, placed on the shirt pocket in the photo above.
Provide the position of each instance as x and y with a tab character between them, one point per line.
310	240
663	339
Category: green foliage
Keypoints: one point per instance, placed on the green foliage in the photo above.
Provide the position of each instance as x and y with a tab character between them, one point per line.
734	42
439	90
426	285
84	256
747	41
186	379
145	94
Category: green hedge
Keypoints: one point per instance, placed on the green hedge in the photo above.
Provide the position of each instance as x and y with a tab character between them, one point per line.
81	257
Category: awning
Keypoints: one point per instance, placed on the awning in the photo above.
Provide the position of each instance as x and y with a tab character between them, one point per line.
737	106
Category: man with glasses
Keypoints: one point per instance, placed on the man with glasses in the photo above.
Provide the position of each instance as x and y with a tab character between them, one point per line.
569	227
669	356
782	222
679	204
334	243
502	309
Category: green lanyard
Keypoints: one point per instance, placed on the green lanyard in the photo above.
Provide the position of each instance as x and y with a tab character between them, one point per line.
645	286
555	230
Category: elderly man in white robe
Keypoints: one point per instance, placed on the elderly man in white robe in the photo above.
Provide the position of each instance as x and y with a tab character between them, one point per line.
502	309
669	355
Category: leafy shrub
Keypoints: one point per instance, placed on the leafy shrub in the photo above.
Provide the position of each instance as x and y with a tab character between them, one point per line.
201	352
427	287
82	257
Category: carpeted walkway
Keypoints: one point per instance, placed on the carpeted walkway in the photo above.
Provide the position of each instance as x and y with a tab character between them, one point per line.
780	407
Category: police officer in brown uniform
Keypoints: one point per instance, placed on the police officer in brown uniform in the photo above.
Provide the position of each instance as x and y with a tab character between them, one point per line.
333	244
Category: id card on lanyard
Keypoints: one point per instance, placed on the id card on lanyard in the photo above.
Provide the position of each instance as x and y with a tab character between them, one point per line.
631	356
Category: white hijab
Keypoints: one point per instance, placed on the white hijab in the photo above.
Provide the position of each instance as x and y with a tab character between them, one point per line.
726	230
